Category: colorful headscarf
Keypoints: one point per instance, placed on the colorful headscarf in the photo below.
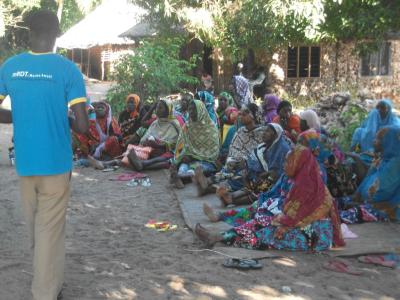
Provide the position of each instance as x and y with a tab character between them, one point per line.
309	199
199	139
270	107
311	118
136	100
208	100
365	135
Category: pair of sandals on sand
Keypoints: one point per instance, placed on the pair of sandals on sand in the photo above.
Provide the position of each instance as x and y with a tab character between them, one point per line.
341	266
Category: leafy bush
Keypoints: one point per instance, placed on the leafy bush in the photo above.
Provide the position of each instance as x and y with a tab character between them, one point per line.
153	70
352	118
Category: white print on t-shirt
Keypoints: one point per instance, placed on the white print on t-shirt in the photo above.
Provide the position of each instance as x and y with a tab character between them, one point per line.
26	74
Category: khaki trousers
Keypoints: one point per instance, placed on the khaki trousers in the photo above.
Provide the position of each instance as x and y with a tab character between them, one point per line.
44	202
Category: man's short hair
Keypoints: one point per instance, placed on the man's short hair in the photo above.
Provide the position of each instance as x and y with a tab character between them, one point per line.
43	22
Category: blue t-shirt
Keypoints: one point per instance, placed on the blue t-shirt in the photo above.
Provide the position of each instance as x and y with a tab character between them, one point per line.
41	86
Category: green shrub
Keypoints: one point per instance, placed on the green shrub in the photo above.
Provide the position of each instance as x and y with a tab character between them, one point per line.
352	118
153	70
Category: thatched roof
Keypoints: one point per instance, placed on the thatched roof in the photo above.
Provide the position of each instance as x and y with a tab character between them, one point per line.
103	26
140	30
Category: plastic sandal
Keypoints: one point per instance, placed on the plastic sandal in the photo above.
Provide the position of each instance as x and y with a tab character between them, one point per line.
243	264
341	267
379	260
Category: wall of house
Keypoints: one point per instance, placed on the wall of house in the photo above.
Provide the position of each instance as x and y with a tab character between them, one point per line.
340	71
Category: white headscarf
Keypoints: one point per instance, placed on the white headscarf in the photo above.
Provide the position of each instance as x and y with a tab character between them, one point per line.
311	118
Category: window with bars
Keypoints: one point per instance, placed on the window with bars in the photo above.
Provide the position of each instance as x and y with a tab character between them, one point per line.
377	63
303	62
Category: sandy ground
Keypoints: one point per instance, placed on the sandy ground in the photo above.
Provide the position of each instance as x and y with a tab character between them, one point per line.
111	255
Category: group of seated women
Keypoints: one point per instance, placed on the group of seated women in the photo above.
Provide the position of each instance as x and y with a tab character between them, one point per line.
296	182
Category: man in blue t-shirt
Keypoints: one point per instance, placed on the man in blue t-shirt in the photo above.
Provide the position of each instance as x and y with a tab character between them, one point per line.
42	86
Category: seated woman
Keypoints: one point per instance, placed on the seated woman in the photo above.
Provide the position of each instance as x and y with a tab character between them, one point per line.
103	140
246	138
208	100
129	119
381	187
363	137
309	120
261	170
244	141
198	145
156	146
227	113
289	121
270	106
337	175
182	109
297	214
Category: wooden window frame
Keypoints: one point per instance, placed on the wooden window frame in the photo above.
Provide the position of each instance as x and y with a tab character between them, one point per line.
389	74
298	62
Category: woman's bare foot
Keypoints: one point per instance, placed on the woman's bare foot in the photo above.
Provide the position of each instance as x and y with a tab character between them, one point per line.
224	195
174	178
178	183
98	165
209	212
205	236
201	181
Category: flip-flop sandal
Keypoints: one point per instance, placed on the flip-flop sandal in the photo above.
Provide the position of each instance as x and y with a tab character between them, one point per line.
243	264
377	260
341	267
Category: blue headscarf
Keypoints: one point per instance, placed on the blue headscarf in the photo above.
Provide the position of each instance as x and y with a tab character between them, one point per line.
385	175
365	135
391	142
208	100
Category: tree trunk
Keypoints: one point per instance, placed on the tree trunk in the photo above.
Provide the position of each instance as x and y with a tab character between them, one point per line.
60	4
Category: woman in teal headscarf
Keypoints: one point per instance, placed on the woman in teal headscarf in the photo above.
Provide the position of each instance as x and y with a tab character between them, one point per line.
381	116
381	186
208	100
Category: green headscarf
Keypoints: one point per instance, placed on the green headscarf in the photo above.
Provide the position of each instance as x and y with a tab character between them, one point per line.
199	139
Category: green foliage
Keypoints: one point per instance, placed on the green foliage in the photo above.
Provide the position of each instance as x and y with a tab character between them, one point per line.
268	25
365	21
71	14
153	70
352	118
14	39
